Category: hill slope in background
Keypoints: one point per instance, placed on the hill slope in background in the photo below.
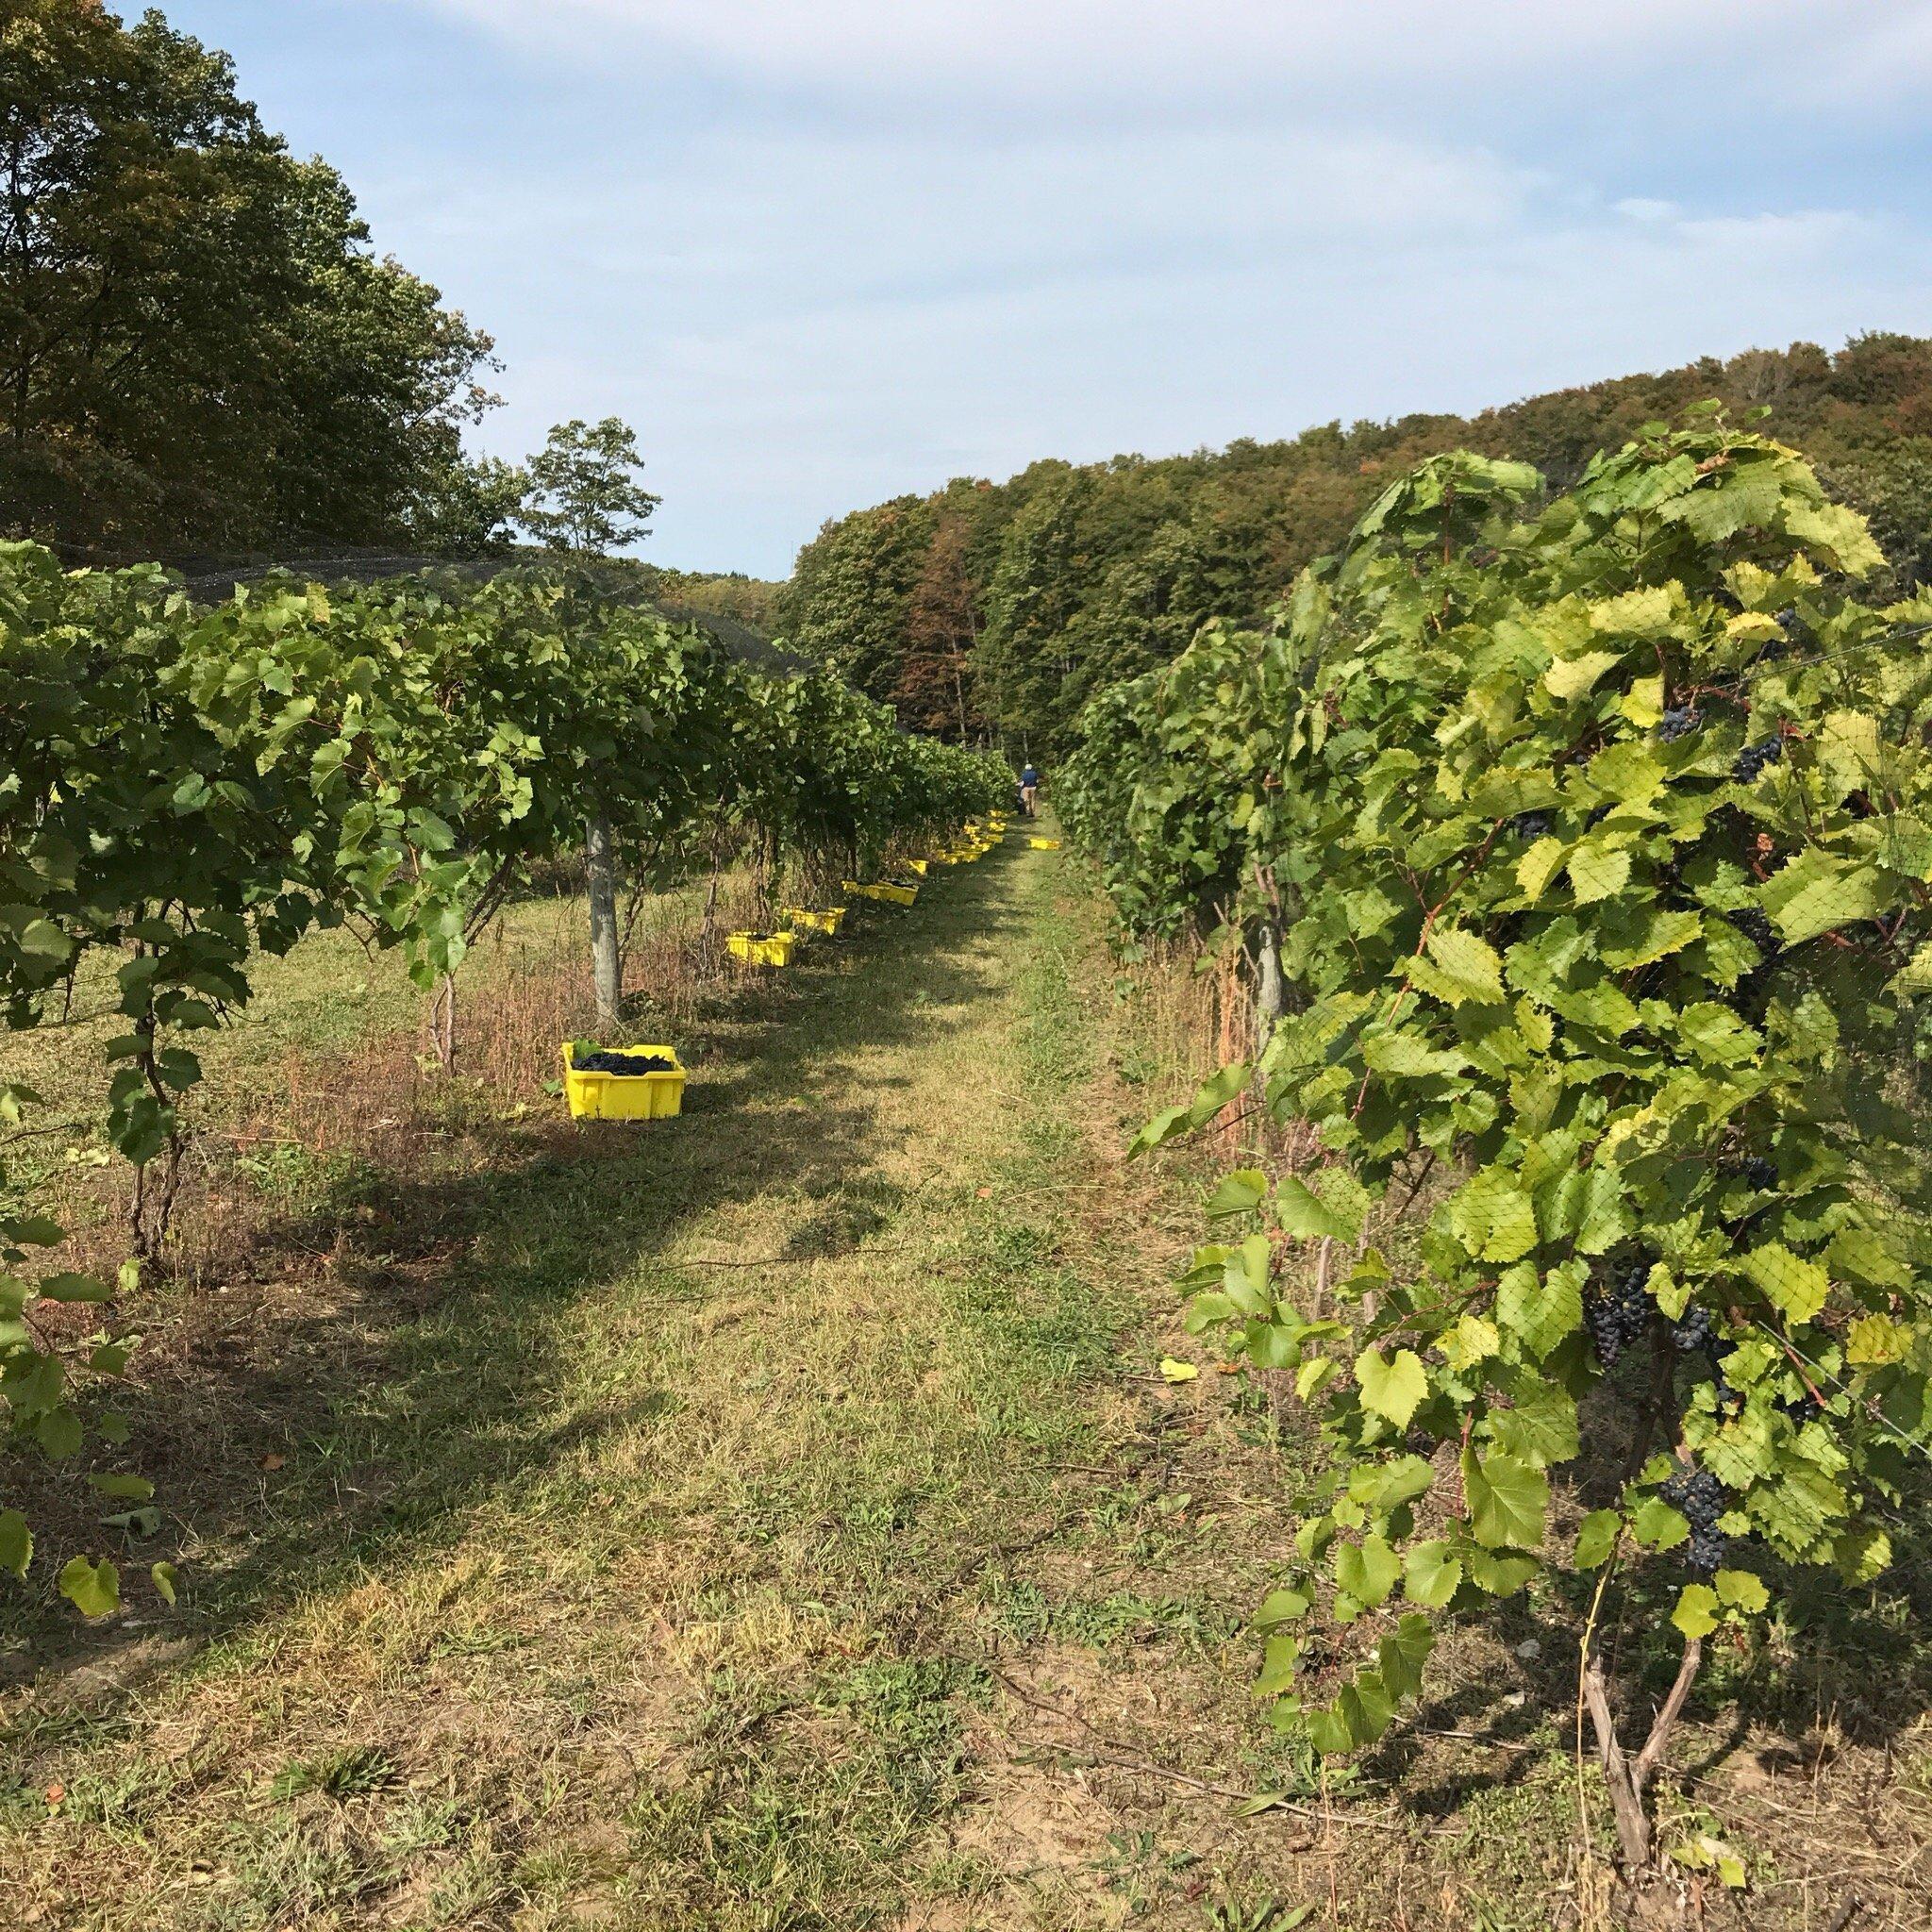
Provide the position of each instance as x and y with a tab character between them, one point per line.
1003	607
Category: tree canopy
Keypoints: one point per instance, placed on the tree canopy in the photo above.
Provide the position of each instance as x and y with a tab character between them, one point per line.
199	349
583	492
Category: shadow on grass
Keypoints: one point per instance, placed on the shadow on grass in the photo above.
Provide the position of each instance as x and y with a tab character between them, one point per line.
359	1425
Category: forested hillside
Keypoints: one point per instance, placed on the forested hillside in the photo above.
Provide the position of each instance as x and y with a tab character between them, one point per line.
1006	606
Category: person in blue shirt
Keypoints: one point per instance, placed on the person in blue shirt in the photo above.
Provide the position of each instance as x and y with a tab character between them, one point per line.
1029	792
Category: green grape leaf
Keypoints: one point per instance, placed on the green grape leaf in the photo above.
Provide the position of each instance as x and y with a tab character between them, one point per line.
1597	870
1816	893
1431	1574
1737	1590
1539	1310
1500	1573
1394	1388
1282	1606
1596	1536
16	1542
1697	1612
1465	967
1797	1288
1507	1500
1402	1653
1306	1216
75	1288
1368	1571
1239	1194
93	1589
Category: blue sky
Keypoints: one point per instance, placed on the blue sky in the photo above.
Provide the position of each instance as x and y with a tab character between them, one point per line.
821	254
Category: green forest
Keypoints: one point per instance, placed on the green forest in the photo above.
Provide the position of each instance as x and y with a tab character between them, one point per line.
1001	609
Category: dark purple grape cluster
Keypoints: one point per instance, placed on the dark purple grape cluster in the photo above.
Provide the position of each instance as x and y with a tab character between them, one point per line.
1755	924
1801	1409
1531	825
1700	1496
1760	1173
1754	758
605	1061
1679	721
1617	1311
1693	1331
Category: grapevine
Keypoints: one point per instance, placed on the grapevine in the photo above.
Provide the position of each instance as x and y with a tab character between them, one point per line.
1595	828
184	788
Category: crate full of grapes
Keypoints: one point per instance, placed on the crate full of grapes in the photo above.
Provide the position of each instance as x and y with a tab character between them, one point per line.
827	919
623	1083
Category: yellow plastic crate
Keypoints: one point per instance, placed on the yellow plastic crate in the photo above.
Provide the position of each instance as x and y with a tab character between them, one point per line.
624	1096
773	950
885	894
827	921
1044	844
918	865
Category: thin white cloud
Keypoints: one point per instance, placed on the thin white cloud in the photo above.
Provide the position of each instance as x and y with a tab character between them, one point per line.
826	361
821	255
1028	51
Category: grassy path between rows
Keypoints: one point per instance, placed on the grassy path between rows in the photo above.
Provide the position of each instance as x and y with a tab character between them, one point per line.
775	1521
672	1565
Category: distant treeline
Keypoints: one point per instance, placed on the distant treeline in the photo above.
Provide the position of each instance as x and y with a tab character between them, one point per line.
1001	609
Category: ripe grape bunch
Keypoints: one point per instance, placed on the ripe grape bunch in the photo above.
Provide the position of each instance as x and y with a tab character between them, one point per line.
1701	1498
605	1061
1801	1409
1693	1331
1755	924
1531	825
1679	721
1618	1314
1754	758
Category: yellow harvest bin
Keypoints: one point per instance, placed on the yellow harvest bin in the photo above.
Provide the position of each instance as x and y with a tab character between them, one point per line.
885	894
775	949
1044	844
827	921
624	1096
918	865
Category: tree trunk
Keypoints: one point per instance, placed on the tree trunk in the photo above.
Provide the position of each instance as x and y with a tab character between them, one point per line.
708	933
602	874
443	1023
1628	1778
1271	999
157	1181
